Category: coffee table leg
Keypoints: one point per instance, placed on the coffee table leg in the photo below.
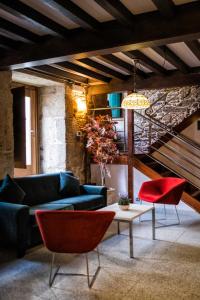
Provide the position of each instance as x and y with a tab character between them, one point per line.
153	224
131	239
118	227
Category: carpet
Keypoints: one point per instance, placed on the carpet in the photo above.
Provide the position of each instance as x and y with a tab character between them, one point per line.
167	268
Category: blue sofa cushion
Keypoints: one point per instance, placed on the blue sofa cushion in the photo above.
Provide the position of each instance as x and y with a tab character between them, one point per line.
40	188
47	206
69	185
10	191
83	202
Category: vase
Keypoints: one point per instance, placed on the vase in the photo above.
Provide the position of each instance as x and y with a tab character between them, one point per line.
103	173
124	207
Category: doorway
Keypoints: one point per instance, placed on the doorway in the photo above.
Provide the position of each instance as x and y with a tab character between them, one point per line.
25	127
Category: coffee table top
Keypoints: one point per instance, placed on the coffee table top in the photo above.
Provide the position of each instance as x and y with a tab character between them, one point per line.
134	211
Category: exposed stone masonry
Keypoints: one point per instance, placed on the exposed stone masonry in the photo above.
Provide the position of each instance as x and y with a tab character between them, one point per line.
6	125
52	129
174	106
75	149
60	148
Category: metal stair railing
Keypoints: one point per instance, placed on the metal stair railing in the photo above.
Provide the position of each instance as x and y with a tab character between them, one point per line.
188	162
162	125
173	133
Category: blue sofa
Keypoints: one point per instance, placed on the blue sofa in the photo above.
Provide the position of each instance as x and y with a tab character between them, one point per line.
18	226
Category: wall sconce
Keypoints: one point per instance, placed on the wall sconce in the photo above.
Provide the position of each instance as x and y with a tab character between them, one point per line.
80	99
81	103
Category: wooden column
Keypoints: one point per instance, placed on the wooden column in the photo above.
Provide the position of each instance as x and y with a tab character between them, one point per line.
130	153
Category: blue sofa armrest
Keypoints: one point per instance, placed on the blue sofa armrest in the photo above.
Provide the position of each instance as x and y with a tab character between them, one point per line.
95	190
14	220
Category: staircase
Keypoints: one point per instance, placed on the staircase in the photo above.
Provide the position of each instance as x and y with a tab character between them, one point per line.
161	150
171	154
154	169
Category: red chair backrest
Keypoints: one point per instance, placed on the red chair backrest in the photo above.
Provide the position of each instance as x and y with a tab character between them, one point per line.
163	190
73	231
173	189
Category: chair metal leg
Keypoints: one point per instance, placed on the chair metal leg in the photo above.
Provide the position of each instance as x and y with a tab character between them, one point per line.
177	215
165	211
90	283
140	220
172	224
52	275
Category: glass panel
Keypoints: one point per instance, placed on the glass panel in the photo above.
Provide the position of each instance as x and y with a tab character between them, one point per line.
28	129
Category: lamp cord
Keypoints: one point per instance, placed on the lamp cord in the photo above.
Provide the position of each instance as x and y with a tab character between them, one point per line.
134	77
135	62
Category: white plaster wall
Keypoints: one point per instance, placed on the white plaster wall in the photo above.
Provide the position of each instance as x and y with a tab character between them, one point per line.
119	181
119	178
192	133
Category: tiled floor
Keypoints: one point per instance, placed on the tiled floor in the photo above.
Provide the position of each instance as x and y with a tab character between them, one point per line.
167	268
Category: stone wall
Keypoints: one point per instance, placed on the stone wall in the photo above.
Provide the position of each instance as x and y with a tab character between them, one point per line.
52	129
60	148
75	149
174	106
6	126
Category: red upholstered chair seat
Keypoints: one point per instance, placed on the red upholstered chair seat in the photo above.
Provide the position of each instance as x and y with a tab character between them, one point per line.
164	190
73	232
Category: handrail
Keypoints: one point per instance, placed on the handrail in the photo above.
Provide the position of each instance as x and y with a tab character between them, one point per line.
173	171
177	163
152	104
191	142
173	133
188	140
180	154
174	150
186	149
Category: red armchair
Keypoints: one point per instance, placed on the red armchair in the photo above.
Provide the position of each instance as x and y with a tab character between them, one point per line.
73	232
166	190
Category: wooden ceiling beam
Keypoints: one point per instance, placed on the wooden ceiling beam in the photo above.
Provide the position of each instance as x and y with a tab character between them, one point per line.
9	43
170	56
194	46
74	13
150	30
27	35
42	75
26	12
166	7
81	70
147	62
97	66
116	9
154	82
49	70
122	65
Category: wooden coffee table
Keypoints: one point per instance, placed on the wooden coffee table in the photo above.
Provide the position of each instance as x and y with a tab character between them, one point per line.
127	216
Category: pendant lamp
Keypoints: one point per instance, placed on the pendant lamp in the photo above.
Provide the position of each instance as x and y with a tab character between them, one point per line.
135	100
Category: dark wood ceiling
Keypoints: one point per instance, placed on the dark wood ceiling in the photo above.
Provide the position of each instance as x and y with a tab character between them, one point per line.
95	41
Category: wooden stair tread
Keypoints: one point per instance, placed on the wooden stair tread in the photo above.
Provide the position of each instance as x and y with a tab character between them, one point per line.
148	171
166	174
180	127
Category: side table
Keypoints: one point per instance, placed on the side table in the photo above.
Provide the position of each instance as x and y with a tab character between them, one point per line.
111	196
